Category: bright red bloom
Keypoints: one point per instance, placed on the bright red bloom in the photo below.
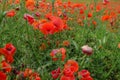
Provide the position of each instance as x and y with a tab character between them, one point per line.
57	21
37	14
6	67
81	11
55	73
58	54
10	48
47	28
89	15
84	75
11	13
29	18
3	76
8	51
63	77
30	4
37	78
105	2
73	64
105	17
69	71
87	78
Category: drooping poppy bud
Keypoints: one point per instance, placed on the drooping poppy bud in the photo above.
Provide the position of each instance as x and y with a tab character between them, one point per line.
87	50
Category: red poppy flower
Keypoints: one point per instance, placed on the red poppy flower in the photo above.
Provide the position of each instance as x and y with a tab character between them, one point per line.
105	2
3	76
29	18
55	73
63	77
86	78
37	14
105	17
10	48
8	51
8	57
81	11
89	15
37	78
73	64
57	21
11	13
69	71
47	28
6	67
58	54
30	4
84	73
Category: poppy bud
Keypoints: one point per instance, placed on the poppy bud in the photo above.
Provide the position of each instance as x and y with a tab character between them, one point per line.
87	50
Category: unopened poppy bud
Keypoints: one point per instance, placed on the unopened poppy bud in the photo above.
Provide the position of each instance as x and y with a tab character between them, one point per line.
87	50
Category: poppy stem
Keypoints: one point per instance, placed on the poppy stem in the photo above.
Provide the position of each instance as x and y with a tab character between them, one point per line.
84	58
53	2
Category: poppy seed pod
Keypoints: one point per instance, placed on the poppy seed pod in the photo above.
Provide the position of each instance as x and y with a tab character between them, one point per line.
87	50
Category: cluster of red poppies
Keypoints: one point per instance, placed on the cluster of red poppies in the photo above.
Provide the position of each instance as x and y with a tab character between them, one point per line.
69	70
71	66
28	74
6	58
50	25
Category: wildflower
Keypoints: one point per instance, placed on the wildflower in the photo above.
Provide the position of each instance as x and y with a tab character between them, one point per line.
10	48
8	51
105	2
3	76
55	73
105	17
68	71
47	28
89	15
11	13
37	14
58	54
73	64
66	43
63	77
84	75
17	1
27	72
81	11
94	23
30	4
87	50
57	21
6	67
29	18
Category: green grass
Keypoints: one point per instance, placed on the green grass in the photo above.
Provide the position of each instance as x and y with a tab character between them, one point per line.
103	64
